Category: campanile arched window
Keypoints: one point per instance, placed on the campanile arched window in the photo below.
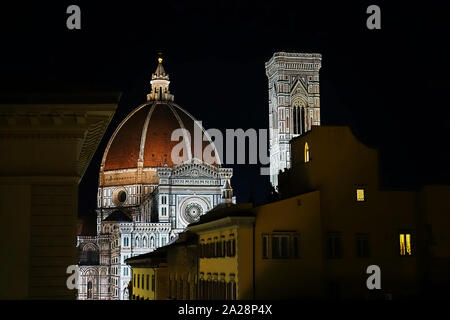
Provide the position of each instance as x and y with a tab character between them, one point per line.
306	152
89	290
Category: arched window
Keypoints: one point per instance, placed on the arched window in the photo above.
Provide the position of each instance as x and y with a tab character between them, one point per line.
137	242
306	152
89	290
144	242
152	242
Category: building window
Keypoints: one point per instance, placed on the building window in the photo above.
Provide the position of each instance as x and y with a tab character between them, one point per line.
164	211
334	245
89	290
306	152
360	194
201	249
280	246
215	287
362	245
153	282
201	287
148	280
163	241
231	246
180	289
405	244
216	247
265	246
188	291
233	290
222	246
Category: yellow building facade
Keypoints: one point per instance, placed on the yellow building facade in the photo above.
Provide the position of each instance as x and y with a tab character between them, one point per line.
225	259
182	264
149	278
288	248
143	284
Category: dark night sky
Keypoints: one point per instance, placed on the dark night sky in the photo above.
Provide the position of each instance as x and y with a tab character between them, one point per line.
390	85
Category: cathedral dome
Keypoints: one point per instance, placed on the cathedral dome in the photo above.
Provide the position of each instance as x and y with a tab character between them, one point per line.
143	139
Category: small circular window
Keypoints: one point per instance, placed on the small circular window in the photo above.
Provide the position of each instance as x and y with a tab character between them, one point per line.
119	196
122	196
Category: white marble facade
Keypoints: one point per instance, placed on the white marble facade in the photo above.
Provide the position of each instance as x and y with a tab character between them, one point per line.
188	191
136	218
294	103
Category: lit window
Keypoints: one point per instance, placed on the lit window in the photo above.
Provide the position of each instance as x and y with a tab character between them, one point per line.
306	152
360	195
405	244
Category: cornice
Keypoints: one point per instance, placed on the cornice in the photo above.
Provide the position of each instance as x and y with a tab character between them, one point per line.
312	62
85	122
225	222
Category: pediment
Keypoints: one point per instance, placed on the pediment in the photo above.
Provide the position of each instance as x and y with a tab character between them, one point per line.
194	170
299	88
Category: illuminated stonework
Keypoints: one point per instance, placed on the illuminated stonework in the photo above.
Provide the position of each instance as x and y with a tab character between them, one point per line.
294	103
192	212
145	199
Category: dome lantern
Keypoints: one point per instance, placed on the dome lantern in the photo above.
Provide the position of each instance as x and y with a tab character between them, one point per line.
160	84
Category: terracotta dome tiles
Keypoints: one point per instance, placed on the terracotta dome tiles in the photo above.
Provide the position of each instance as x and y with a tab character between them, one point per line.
123	152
